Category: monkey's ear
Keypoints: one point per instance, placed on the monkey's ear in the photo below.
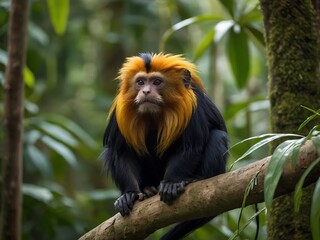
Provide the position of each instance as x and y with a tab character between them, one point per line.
186	78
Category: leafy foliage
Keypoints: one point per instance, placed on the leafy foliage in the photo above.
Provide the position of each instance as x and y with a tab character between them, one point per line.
239	24
59	10
74	51
288	149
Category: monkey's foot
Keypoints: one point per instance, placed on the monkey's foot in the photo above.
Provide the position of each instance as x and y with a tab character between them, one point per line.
124	203
169	191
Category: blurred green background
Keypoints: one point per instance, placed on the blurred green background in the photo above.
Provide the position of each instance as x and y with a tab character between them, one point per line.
75	49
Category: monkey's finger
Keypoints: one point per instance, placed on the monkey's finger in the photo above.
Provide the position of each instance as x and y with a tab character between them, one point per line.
163	193
175	191
170	191
180	187
167	191
118	205
161	188
129	200
127	203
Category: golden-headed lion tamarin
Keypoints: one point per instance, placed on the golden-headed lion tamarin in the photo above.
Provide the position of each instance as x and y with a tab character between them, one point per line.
163	133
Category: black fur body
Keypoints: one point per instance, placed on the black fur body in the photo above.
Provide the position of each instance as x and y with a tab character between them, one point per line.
199	153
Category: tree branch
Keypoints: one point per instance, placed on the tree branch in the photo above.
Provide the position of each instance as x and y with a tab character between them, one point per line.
204	198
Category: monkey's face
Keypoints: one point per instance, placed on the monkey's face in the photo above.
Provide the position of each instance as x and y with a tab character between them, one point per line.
149	88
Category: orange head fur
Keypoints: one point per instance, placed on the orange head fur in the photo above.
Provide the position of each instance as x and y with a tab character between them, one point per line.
179	101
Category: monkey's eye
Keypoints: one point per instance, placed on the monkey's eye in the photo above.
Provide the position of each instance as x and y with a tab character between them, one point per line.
157	81
140	82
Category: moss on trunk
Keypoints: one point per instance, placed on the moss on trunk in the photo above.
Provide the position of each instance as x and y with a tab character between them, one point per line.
293	61
292	49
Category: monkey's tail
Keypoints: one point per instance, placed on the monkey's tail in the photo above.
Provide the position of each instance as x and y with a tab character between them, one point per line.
182	229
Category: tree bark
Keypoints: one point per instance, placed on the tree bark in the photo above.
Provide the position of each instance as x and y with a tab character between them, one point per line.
204	198
13	125
293	59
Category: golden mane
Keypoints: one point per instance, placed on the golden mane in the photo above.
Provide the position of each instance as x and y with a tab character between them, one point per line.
179	101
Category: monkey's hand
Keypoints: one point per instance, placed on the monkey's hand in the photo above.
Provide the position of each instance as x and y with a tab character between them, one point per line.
169	191
124	203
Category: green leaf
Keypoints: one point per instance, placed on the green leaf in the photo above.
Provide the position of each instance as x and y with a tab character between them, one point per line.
316	141
296	151
59	11
250	14
6	4
1	79
298	188
275	169
28	77
315	212
61	149
31	107
235	108
204	44
58	133
228	5
312	110
238	106
73	128
256	36
38	34
305	122
253	217
269	137
238	55
310	118
3	57
185	23
222	28
250	186
32	136
39	160
39	193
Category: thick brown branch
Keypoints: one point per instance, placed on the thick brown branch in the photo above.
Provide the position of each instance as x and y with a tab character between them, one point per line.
204	198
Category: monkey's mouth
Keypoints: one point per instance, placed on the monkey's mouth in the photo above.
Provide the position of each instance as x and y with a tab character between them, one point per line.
148	101
148	105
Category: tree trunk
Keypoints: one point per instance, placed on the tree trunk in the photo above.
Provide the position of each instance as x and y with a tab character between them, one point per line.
13	128
292	52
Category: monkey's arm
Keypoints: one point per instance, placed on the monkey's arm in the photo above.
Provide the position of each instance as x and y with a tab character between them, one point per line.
181	170
119	160
190	165
125	175
126	178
